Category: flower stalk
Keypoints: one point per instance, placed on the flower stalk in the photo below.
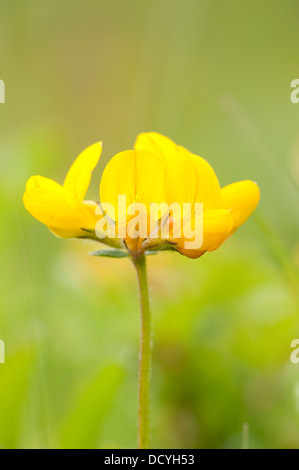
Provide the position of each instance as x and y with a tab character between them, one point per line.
139	262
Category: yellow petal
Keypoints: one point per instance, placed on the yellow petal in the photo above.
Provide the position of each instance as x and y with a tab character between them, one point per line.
207	184
155	143
41	182
180	172
241	199
90	207
64	233
217	225
59	210
137	174
79	175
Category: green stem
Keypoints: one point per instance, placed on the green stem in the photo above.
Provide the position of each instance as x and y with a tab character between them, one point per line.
144	356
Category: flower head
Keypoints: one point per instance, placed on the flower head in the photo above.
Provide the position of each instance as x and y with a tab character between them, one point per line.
158	171
62	207
158	179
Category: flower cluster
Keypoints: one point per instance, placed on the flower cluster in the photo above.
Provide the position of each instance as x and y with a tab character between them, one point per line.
156	173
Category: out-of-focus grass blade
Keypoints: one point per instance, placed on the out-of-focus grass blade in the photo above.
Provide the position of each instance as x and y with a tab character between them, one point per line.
245	436
83	425
275	248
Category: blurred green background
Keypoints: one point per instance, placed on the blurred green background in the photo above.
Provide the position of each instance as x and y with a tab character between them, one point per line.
215	77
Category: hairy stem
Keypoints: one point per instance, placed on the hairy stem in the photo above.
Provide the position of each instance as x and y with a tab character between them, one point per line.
144	356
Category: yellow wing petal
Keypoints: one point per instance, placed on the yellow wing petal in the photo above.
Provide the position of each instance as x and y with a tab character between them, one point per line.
217	225
91	207
207	184
241	199
79	175
58	210
41	182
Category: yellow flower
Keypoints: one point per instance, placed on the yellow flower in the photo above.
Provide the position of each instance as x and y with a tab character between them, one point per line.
158	171
62	208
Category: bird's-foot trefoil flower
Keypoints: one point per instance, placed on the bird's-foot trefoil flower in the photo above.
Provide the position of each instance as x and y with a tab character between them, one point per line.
156	197
62	208
159	181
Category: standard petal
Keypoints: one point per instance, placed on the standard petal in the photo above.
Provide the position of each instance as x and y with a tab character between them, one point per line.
136	174
241	199
79	175
155	143
217	225
181	178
